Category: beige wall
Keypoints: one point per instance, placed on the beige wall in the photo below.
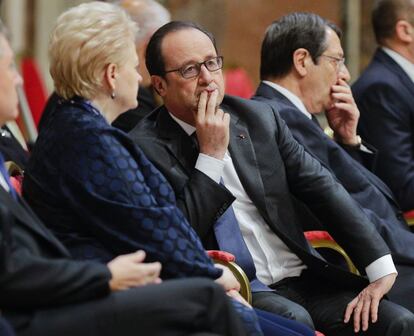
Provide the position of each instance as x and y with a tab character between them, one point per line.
238	25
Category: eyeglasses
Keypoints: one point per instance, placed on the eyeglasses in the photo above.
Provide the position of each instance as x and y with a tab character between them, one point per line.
193	70
339	61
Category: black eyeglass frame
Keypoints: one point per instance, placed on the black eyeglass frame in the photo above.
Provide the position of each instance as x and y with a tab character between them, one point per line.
198	67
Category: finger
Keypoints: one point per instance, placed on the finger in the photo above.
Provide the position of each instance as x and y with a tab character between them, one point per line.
374	309
211	105
343	97
365	313
137	256
343	106
202	103
349	310
357	315
226	118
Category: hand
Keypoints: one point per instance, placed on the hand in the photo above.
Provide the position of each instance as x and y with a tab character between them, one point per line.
236	296
227	279
129	271
212	126
344	114
365	305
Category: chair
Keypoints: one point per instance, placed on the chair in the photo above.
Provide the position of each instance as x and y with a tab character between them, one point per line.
322	239
228	259
409	217
16	175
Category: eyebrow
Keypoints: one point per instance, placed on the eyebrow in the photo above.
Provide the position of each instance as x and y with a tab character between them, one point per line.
196	62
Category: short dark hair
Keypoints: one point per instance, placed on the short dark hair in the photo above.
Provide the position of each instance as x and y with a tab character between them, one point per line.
385	15
154	59
289	33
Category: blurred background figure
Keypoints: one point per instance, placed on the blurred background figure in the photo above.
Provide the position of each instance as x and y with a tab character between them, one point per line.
384	94
149	15
238	82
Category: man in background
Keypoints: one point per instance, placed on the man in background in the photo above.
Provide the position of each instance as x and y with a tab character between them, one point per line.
149	15
384	94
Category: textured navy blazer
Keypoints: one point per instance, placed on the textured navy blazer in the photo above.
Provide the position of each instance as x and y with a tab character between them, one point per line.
385	97
368	190
100	195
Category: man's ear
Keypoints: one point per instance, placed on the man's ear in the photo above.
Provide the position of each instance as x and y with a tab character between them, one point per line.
404	31
159	84
301	61
111	73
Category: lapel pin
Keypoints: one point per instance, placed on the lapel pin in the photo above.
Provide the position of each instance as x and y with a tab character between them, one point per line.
241	136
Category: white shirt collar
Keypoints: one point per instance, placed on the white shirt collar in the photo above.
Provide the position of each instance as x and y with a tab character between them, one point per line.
189	129
294	99
404	63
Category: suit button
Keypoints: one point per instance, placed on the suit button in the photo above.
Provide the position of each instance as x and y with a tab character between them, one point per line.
326	265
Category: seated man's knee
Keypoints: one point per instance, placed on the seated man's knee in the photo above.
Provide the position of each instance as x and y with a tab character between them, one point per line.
274	303
403	324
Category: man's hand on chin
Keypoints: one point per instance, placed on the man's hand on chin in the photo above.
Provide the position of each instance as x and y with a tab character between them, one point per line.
212	126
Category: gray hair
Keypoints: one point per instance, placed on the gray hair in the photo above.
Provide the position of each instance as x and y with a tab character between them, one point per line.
148	14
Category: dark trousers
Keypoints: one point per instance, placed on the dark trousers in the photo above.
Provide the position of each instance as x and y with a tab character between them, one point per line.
176	307
274	303
5	328
326	304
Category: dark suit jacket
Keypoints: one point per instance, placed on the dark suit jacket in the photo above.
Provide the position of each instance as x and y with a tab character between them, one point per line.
102	197
367	189
384	95
146	103
272	167
38	272
11	148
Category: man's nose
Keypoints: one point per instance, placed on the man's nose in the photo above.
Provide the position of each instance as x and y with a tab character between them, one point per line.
205	75
344	73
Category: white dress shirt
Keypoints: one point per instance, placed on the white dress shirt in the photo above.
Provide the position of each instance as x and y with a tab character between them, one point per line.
404	63
273	260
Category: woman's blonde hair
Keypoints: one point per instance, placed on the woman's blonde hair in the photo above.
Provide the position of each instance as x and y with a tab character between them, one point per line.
85	40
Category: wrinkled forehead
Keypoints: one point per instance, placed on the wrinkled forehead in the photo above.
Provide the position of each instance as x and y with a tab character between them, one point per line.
186	45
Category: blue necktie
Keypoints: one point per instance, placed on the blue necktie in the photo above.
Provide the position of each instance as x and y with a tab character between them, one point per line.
4	173
230	239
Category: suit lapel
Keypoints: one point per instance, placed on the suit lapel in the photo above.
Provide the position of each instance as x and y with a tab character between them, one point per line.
176	141
245	162
26	217
387	61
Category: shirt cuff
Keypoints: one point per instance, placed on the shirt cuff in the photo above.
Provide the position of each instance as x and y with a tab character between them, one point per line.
210	166
380	268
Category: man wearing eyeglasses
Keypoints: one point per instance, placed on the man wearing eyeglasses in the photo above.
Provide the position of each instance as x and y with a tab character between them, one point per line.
304	75
384	94
243	152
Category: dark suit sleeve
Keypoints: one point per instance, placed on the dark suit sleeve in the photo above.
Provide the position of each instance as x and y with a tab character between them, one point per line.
387	122
201	199
367	157
328	200
30	280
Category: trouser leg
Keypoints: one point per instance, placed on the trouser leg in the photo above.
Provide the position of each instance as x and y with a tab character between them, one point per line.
326	304
277	304
176	307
